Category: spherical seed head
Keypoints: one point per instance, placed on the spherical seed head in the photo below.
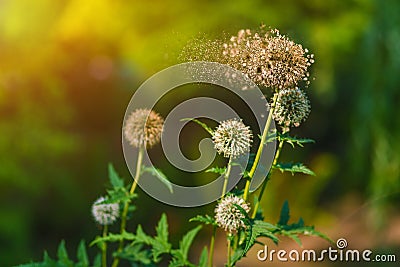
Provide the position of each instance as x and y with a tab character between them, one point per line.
268	58
105	214
292	107
143	128
228	216
232	138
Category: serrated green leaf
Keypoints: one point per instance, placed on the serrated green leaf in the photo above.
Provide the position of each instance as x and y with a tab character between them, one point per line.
115	180
217	170
285	214
113	238
180	256
136	254
141	236
162	229
203	258
97	261
257	229
293	168
62	254
237	255
205	126
46	258
187	241
119	195
81	254
271	136
294	140
204	219
160	175
161	244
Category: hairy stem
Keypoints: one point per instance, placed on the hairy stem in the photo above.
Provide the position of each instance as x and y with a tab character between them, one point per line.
104	248
226	176
126	205
264	185
212	242
260	148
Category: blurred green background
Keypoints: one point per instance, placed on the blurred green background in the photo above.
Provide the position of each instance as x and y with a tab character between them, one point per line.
68	69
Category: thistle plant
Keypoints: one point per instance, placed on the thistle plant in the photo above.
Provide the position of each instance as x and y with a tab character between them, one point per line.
280	67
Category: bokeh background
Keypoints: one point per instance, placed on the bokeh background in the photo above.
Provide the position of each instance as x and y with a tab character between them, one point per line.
68	69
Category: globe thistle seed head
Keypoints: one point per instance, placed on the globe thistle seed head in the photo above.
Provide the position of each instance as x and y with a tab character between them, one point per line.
143	128
292	107
232	138
268	58
228	216
105	214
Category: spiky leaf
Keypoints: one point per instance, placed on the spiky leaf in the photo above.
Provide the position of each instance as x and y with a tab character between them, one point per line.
292	140
160	243
180	256
115	180
81	255
293	168
63	255
206	219
257	229
113	238
285	214
136	254
203	258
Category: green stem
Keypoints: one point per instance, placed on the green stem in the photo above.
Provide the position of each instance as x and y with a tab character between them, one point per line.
126	205
226	176
260	148
264	185
104	248
228	260
212	242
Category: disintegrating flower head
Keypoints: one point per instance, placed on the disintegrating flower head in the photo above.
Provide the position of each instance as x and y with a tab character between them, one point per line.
292	107
232	138
143	128
105	214
227	214
268	58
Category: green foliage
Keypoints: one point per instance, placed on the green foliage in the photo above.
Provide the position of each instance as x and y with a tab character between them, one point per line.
115	180
160	175
203	258
63	260
180	255
256	228
285	137
148	250
293	168
295	229
205	126
118	193
293	140
160	242
285	215
113	238
205	219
